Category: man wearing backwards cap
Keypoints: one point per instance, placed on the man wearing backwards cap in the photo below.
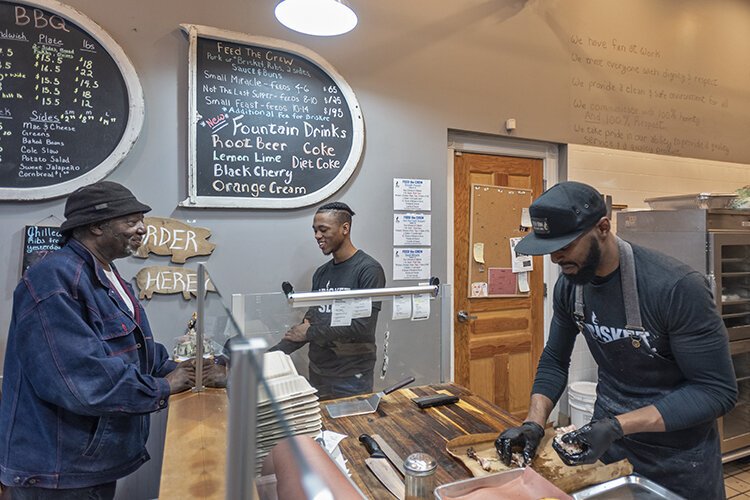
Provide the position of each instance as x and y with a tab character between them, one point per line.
662	350
82	371
342	358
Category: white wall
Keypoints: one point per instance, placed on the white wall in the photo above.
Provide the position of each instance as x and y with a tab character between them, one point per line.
632	177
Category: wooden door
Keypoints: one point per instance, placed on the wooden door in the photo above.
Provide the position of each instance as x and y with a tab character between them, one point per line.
498	345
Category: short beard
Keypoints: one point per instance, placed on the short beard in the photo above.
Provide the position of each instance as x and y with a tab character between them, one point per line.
588	270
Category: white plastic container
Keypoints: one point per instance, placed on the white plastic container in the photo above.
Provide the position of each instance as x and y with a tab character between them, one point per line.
581	397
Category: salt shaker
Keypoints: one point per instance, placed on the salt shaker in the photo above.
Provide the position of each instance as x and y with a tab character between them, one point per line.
420	476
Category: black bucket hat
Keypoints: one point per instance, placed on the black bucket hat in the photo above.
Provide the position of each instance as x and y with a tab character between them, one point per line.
560	215
98	202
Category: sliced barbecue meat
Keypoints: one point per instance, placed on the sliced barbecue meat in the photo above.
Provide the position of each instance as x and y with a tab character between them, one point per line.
484	463
569	448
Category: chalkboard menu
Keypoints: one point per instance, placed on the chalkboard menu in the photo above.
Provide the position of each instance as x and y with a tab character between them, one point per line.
70	102
273	125
38	241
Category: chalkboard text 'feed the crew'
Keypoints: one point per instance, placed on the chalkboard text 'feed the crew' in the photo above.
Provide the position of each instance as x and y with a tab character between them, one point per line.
271	124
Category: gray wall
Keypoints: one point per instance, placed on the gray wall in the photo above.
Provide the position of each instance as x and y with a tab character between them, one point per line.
418	68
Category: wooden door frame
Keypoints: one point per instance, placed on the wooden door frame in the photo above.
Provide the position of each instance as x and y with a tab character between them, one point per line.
467	142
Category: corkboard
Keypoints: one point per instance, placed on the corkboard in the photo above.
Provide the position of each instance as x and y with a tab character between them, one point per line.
495	218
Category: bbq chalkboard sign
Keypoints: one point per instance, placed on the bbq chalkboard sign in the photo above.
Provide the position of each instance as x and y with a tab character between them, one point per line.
70	101
38	241
272	125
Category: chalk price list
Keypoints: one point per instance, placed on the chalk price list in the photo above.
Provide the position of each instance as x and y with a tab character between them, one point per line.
6	67
271	123
56	121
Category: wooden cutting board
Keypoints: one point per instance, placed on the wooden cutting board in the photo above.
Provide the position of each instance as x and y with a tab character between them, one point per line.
547	462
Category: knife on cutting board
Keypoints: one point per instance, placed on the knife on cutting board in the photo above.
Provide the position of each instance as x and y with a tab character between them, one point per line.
379	465
390	454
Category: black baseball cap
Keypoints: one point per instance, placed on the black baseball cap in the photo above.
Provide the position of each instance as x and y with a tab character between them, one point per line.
99	202
560	215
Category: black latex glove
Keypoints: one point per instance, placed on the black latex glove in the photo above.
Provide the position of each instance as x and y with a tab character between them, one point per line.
593	438
525	438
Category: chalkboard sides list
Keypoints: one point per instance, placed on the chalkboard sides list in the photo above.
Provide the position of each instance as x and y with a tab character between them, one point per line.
70	102
273	125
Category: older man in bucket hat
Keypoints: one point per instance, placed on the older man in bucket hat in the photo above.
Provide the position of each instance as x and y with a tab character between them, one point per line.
662	350
82	371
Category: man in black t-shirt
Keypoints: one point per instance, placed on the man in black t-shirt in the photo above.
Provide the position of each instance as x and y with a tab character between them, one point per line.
342	358
651	324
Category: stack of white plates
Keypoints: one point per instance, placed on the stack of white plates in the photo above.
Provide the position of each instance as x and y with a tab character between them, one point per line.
297	402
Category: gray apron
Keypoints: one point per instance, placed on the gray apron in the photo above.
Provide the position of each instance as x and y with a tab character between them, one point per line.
687	462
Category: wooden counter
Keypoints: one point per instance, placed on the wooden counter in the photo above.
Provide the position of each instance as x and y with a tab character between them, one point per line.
195	448
196	439
409	429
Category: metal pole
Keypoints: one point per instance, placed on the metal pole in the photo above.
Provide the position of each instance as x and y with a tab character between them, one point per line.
245	365
306	299
446	324
199	325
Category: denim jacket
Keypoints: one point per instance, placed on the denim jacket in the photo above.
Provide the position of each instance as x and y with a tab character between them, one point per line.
81	376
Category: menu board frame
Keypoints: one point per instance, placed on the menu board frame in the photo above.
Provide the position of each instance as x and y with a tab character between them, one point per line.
135	107
193	32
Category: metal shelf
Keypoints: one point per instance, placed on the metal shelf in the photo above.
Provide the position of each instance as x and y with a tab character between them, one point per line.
735	422
735	315
735	302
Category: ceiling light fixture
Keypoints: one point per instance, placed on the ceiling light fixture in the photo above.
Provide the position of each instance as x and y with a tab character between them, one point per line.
316	17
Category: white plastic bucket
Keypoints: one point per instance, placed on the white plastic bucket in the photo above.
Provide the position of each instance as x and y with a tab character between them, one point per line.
581	397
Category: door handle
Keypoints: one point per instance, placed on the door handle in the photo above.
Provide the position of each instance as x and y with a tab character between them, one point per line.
464	316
